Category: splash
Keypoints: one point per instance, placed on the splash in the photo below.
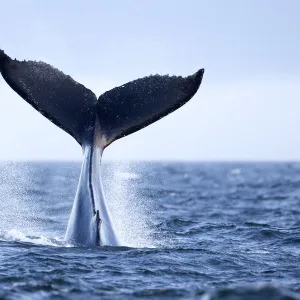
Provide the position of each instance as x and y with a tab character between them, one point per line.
130	212
127	175
14	197
28	213
16	235
24	204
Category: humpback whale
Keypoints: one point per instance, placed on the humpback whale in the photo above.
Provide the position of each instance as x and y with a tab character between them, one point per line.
95	124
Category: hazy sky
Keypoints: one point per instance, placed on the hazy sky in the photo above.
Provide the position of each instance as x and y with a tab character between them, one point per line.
247	108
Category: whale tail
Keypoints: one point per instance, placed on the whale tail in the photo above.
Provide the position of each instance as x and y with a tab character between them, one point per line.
95	124
74	108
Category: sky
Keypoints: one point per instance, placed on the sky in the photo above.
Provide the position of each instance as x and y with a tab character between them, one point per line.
247	108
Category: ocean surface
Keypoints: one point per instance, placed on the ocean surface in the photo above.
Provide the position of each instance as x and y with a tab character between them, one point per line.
189	230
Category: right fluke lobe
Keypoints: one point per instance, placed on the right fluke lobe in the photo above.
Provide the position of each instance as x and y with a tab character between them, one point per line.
134	105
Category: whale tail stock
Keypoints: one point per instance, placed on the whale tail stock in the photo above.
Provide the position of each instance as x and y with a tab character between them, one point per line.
74	108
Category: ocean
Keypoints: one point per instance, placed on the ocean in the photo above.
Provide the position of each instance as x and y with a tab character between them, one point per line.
188	230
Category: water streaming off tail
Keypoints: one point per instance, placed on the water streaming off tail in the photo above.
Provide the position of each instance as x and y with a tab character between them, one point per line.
36	201
130	209
17	211
29	208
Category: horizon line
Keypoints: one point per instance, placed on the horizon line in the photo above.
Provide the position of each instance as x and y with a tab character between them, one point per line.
156	161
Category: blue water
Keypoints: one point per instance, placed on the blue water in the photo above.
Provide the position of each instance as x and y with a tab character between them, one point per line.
189	230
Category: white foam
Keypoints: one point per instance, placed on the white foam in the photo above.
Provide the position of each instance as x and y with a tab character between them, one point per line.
16	235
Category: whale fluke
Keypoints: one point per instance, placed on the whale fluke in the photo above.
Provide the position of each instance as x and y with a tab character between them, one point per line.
73	107
95	124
